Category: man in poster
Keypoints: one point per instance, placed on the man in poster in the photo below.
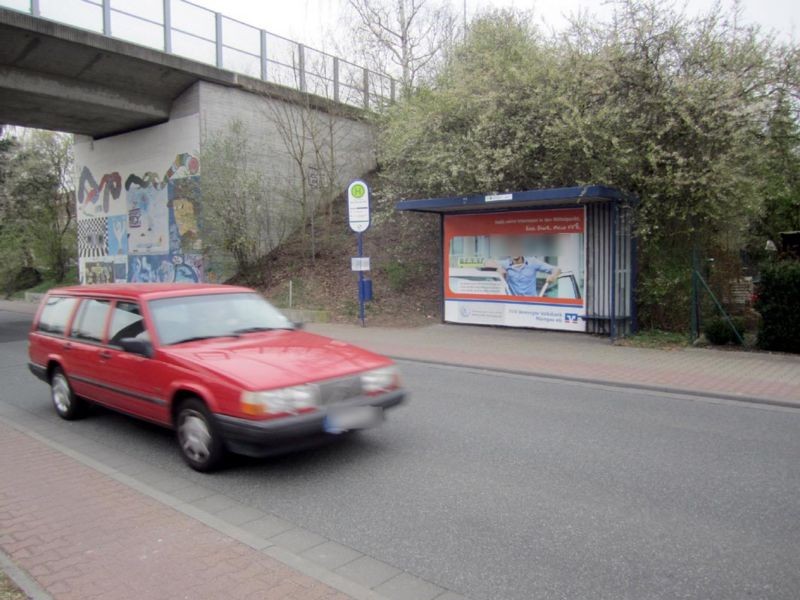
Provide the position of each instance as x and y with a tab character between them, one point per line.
520	272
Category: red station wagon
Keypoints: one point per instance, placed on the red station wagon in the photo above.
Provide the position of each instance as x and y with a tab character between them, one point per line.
218	364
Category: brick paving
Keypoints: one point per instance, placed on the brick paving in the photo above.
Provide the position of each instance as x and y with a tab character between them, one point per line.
82	536
755	375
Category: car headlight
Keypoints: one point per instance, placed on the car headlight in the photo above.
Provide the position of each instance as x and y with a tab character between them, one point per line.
380	380
284	400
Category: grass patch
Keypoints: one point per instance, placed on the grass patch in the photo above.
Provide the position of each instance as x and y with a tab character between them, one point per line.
9	591
37	289
656	338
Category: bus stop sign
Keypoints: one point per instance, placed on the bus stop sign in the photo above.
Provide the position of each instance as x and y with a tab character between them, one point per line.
358	206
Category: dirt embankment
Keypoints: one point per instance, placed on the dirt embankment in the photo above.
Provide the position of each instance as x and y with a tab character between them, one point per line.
404	252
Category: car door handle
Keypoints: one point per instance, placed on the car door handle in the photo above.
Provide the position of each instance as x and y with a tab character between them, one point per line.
105	354
67	345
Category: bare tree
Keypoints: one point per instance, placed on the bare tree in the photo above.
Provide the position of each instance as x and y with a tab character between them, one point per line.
318	139
239	209
404	36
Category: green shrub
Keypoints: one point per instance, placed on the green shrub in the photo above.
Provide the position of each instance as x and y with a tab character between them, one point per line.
663	292
19	278
718	331
778	301
25	278
398	275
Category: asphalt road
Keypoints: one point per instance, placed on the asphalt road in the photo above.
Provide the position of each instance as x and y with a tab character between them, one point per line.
508	487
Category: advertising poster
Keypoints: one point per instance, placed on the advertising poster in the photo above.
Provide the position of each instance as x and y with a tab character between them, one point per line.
517	269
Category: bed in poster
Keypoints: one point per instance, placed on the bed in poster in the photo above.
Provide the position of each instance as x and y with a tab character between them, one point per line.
516	269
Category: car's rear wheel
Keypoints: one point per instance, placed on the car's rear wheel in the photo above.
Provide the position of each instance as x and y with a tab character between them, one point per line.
67	405
201	445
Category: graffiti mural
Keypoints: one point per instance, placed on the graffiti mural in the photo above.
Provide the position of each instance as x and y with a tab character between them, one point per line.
184	202
104	270
99	200
165	268
145	230
148	220
117	235
93	237
189	269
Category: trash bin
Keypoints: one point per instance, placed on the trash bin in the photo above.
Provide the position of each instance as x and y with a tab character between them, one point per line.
365	290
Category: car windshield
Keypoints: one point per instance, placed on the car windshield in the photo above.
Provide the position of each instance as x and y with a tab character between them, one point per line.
189	318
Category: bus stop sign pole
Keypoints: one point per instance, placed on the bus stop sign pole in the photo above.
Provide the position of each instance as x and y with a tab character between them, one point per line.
358	217
361	298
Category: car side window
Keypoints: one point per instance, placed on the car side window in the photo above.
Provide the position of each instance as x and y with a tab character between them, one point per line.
126	322
90	320
56	313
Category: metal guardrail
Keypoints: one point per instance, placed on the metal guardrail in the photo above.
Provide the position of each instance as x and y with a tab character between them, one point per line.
186	29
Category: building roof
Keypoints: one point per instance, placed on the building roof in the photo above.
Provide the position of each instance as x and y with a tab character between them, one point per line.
567	196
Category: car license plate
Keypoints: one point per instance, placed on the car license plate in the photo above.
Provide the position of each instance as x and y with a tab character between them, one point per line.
352	417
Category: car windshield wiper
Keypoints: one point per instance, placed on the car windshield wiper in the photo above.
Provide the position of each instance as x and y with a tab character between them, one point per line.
257	329
197	338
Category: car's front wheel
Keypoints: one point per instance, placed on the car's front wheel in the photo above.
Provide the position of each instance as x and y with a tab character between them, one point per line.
201	445
67	405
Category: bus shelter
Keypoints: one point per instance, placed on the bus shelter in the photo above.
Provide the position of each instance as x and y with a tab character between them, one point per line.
559	258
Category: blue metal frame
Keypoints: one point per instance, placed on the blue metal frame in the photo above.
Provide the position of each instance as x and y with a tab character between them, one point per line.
441	263
634	282
613	305
361	299
526	199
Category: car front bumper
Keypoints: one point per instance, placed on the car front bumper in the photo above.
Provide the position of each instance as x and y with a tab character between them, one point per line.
286	434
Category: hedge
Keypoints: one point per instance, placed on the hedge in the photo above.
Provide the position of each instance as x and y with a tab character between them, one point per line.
778	301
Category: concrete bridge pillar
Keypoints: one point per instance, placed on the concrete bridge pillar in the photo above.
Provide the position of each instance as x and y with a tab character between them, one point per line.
139	194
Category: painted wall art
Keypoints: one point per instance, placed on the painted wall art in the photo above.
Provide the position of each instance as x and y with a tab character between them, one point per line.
144	225
166	268
117	235
104	270
93	237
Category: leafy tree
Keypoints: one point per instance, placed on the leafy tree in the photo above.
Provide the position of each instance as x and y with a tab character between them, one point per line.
668	107
781	175
38	203
320	143
11	258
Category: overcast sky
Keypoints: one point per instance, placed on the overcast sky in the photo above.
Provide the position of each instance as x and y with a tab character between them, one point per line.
312	22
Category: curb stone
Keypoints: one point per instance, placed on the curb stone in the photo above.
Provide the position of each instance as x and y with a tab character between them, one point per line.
22	580
614	384
292	560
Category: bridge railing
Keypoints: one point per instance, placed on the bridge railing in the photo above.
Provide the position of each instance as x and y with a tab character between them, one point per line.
192	31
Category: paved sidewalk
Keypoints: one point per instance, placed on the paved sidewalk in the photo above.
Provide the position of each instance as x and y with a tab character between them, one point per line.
19	306
773	378
82	535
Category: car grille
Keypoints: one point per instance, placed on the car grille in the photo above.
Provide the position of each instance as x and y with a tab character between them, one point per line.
339	390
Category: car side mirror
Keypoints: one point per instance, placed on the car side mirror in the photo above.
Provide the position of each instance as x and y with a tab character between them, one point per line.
135	346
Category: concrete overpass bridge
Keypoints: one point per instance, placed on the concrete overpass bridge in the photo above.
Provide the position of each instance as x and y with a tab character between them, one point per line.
142	85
